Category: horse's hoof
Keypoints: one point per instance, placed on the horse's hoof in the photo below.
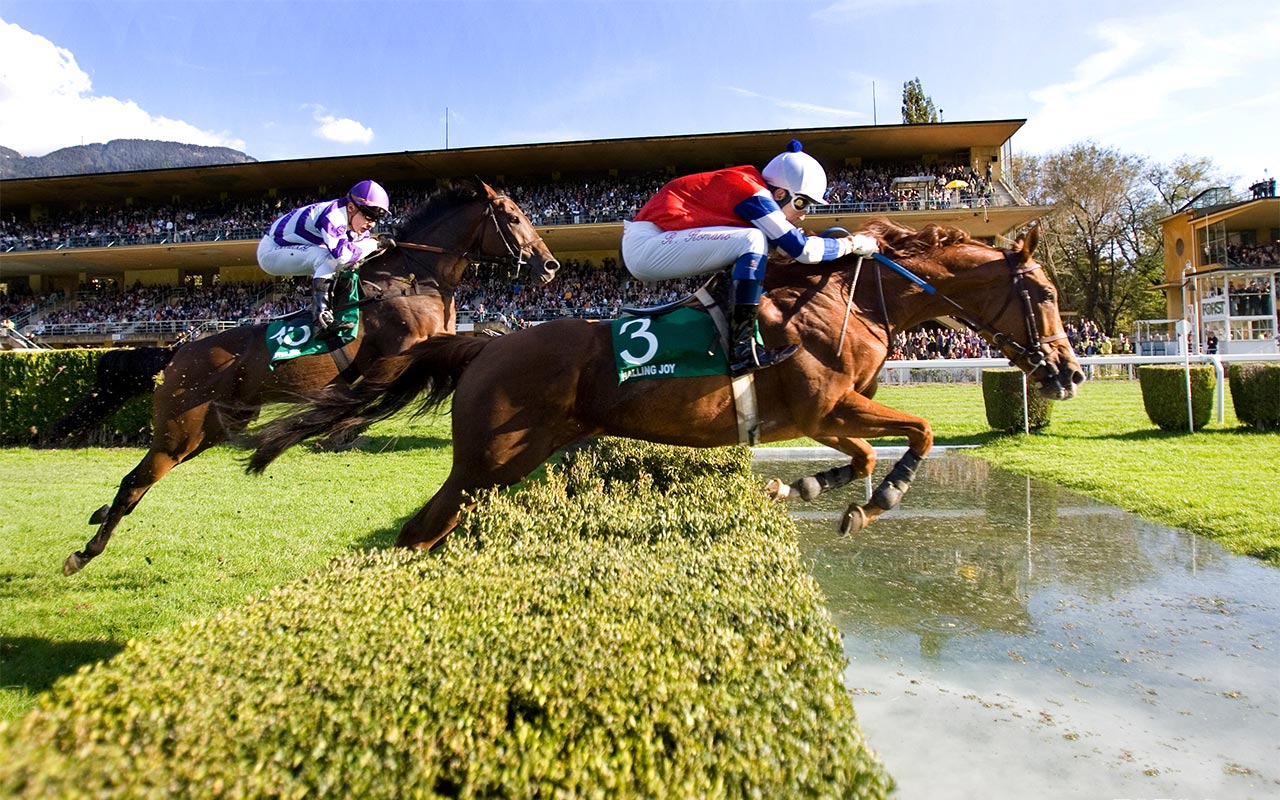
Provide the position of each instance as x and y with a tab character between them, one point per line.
73	564
809	488
854	520
340	445
99	516
777	490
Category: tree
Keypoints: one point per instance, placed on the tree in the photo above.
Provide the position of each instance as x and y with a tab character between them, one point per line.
1181	181
916	105
1103	238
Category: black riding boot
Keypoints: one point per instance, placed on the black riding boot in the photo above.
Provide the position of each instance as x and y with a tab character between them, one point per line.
747	355
321	312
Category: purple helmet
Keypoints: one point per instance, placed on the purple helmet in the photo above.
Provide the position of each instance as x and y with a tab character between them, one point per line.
369	196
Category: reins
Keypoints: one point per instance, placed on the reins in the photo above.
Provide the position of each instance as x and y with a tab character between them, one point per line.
1034	357
515	257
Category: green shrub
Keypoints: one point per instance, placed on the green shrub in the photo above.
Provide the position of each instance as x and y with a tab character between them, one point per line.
627	643
1255	393
39	388
1002	394
1164	395
617	461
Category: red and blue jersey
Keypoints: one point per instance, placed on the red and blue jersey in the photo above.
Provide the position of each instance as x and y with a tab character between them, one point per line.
734	197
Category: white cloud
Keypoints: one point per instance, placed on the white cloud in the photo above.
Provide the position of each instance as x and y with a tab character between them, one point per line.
341	129
47	103
808	109
1146	85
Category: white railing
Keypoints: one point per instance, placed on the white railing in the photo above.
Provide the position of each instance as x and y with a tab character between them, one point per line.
955	370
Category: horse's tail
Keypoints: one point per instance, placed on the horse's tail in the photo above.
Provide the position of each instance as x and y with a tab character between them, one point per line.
434	366
120	376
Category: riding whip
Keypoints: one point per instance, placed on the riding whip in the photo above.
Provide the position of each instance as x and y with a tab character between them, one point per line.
849	308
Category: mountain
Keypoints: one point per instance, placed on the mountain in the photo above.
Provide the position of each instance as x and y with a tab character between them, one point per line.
117	155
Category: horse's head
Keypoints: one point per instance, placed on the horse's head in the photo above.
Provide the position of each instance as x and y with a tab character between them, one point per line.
1002	294
469	222
1028	327
512	236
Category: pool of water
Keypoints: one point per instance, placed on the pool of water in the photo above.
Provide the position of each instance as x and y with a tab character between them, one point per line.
1008	638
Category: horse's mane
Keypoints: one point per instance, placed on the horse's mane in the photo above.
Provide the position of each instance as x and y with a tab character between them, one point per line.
436	202
902	241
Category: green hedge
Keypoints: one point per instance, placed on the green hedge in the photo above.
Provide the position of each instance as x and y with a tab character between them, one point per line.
39	388
569	641
1164	394
1002	394
612	461
1255	393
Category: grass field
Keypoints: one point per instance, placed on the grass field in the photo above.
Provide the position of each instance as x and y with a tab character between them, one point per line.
208	535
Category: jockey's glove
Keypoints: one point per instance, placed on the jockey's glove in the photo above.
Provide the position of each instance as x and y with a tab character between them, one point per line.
863	245
385	241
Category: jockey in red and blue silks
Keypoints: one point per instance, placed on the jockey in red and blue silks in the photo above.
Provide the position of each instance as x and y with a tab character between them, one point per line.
735	216
321	238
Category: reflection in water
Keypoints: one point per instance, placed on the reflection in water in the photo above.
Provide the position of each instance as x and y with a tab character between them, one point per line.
1085	648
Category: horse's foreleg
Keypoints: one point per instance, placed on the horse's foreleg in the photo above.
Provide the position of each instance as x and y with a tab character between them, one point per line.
886	496
857	418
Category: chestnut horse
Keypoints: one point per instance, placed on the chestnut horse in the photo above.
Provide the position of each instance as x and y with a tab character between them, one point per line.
214	387
520	398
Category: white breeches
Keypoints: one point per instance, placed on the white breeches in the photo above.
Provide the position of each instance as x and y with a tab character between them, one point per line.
297	259
652	254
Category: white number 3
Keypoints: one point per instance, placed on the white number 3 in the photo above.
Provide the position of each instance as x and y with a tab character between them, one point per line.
640	330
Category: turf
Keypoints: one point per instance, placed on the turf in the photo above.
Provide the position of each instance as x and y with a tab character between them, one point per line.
208	535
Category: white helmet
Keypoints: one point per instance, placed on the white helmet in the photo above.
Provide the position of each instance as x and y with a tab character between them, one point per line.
798	173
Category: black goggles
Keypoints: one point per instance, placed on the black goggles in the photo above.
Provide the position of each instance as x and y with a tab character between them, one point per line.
370	213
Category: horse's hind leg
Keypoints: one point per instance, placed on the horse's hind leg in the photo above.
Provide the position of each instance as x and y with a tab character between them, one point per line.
435	520
483	462
152	468
185	439
862	462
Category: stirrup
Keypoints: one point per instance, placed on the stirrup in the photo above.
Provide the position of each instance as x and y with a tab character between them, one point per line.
332	329
760	358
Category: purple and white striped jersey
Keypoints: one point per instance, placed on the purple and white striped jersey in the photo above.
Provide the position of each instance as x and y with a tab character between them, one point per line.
323	225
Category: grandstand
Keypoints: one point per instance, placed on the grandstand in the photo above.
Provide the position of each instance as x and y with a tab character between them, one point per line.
147	257
1222	272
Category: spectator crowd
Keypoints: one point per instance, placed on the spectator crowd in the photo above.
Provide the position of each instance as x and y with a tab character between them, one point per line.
581	289
569	201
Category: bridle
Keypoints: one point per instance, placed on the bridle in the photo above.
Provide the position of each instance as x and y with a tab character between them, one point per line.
1033	358
516	256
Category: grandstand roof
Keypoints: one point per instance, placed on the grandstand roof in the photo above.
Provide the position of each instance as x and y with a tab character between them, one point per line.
832	146
499	165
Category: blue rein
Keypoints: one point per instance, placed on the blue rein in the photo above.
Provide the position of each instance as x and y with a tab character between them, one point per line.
1033	354
904	272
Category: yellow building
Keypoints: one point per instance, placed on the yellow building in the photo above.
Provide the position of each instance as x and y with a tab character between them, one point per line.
1222	266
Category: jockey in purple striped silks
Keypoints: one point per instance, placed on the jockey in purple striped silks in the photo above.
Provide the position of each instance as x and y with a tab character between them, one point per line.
322	238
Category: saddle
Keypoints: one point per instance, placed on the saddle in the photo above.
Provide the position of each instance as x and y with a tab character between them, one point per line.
291	336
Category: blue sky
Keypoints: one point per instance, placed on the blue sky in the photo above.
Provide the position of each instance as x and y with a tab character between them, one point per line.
281	79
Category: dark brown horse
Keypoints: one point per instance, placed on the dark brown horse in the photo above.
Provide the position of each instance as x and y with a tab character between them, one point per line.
214	387
520	398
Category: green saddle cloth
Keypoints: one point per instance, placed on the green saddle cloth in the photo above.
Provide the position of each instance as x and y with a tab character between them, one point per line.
293	336
679	344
